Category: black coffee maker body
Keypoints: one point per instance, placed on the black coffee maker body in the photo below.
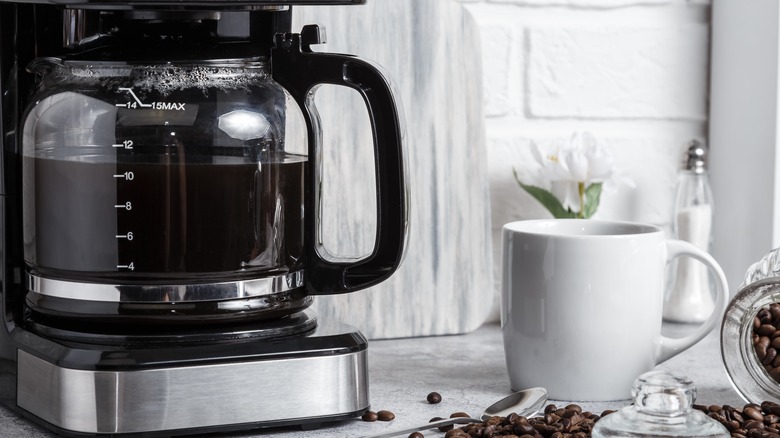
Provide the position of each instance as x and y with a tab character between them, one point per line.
160	198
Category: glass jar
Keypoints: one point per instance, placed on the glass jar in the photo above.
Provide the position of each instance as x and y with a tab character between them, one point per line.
750	327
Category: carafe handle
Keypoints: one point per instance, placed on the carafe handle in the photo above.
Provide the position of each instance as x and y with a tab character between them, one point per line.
300	71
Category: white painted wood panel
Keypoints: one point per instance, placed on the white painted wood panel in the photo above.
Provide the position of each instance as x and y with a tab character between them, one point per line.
744	168
431	49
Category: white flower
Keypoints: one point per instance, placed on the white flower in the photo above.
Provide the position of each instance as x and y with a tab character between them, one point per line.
574	165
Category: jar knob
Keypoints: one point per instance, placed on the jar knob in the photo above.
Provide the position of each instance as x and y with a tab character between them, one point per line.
663	393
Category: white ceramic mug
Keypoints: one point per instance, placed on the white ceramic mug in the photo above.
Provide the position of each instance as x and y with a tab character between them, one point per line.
582	301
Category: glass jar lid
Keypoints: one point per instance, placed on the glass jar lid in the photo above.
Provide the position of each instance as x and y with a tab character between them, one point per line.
663	407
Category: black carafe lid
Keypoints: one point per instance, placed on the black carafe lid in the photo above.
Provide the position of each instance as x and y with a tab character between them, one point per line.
141	37
187	4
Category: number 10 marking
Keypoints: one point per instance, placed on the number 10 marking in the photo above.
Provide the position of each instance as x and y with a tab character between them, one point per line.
128	176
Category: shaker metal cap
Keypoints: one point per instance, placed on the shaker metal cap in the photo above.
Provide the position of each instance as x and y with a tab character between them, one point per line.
695	158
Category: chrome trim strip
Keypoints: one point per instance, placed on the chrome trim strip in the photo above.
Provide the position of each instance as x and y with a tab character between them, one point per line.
164	293
193	397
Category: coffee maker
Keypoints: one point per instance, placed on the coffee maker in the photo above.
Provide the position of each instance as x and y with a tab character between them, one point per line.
160	193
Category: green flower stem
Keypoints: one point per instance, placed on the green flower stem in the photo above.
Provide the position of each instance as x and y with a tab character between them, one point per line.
589	199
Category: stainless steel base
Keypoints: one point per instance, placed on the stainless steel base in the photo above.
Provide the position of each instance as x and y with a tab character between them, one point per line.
251	391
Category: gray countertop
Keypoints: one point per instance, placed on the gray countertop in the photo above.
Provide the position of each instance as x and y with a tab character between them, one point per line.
468	371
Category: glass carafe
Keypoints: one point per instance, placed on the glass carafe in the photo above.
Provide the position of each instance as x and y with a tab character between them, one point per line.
182	191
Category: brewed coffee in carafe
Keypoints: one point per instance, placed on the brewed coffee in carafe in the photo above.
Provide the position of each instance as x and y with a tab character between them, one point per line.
155	190
162	175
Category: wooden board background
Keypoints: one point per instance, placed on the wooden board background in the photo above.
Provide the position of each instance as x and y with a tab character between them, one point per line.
431	49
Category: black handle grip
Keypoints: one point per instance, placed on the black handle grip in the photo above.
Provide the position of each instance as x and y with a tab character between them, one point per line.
300	71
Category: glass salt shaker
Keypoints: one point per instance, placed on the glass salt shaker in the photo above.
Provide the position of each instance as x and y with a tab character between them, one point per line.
750	326
663	407
690	298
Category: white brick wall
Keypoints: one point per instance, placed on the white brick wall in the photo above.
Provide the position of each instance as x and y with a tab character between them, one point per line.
633	72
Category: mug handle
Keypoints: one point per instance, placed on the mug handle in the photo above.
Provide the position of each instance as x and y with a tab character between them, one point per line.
670	347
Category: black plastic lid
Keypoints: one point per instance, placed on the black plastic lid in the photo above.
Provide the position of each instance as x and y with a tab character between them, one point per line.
203	4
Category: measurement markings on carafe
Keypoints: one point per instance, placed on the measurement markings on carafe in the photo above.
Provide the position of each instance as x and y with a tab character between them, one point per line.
127	146
136	104
127	206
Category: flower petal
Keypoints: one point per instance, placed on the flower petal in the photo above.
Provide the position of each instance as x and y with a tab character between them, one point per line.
568	193
538	154
577	164
601	164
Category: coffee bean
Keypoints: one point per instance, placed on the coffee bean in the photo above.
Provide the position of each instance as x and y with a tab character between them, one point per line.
760	351
717	417
416	435
441	428
524	429
771	354
369	416
753	412
434	398
385	416
455	433
492	421
766	329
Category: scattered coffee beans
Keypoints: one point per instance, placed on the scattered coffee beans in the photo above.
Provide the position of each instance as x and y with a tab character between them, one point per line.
434	398
385	416
567	422
752	421
766	339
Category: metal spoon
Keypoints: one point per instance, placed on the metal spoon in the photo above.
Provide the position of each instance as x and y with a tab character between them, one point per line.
524	403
